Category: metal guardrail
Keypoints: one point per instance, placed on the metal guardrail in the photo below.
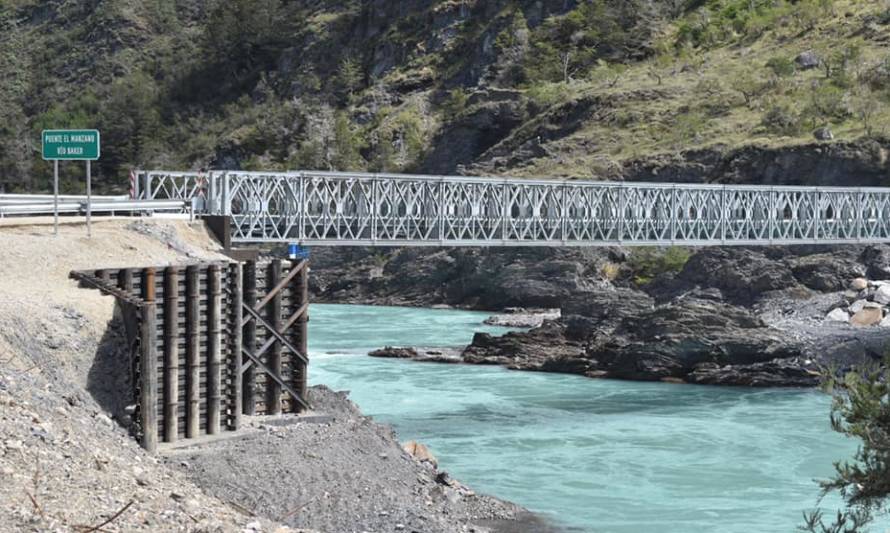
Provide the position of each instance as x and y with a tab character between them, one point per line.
331	208
30	198
40	207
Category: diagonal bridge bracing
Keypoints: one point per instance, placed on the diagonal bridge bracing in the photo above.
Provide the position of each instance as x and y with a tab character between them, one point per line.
332	208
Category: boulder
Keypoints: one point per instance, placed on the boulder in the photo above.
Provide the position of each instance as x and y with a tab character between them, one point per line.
838	315
851	296
826	272
868	316
420	452
857	306
823	134
882	295
885	323
859	284
876	259
395	352
807	60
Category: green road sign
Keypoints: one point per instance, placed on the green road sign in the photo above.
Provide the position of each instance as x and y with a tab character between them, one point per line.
72	145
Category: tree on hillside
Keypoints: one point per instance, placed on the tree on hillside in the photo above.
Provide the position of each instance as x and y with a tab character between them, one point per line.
860	409
564	46
245	35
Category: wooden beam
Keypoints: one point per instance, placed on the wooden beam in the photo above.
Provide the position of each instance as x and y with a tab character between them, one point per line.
148	394
214	349
192	325
236	296
287	388
171	353
280	285
249	339
287	324
107	288
273	388
280	338
301	380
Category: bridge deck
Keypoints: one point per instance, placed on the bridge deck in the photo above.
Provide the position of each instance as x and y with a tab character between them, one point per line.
325	208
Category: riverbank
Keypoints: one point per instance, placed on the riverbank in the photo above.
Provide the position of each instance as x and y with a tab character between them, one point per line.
592	454
729	316
344	472
67	461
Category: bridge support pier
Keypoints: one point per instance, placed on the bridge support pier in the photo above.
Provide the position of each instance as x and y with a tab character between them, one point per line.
220	226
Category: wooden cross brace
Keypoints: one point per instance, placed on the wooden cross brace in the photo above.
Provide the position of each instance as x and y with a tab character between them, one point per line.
253	313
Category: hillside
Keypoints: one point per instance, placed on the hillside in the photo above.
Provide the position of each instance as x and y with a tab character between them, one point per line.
642	89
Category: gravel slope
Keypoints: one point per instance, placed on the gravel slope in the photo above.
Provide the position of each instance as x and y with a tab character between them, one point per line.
343	473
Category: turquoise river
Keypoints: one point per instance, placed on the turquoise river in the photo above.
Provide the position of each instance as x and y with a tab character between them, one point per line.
592	455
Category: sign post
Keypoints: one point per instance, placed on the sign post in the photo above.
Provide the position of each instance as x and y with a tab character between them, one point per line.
70	145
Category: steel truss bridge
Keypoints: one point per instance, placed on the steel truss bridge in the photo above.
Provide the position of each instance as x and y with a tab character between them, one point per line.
328	208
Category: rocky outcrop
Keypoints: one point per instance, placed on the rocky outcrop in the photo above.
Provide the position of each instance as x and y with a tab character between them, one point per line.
745	316
490	279
795	372
547	348
678	341
427	355
671	340
850	164
520	317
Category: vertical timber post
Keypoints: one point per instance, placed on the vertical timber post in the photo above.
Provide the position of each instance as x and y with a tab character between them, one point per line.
236	296
148	364
273	389
248	378
125	280
303	331
214	348
171	354
192	322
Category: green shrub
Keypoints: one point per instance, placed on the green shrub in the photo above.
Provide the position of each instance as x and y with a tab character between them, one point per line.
828	103
861	410
455	103
782	67
722	21
544	95
648	263
781	119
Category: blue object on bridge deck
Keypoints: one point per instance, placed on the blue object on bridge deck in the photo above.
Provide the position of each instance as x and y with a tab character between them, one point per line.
295	251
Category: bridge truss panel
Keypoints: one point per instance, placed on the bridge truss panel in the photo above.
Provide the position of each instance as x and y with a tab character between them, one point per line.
329	208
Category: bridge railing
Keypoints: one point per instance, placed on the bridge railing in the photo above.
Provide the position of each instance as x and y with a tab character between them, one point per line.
397	209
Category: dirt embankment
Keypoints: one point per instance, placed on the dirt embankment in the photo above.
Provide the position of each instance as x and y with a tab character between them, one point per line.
344	471
66	462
